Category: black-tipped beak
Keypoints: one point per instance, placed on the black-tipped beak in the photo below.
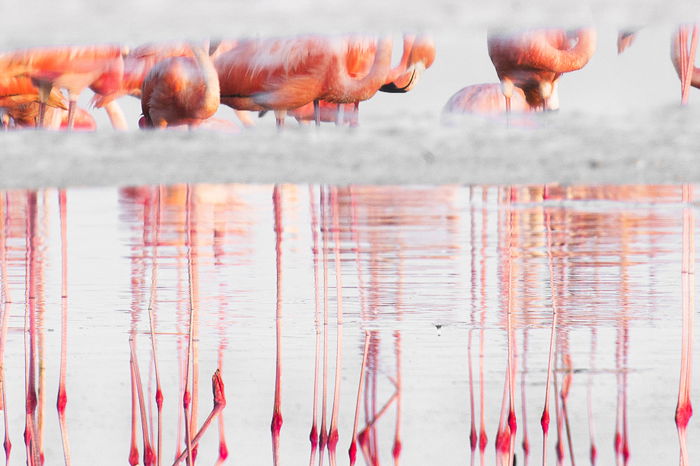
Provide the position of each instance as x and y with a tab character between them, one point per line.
394	89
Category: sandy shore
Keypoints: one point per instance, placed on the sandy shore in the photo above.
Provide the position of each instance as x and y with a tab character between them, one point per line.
661	147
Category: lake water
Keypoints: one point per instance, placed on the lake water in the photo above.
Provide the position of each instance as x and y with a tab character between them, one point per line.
440	287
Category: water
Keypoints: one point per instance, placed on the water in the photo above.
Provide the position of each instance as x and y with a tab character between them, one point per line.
428	276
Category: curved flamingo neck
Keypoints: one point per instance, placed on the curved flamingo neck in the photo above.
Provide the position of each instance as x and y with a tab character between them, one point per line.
562	61
399	69
210	77
358	89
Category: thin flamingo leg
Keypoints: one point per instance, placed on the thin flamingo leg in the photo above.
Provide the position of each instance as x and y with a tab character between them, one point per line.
313	434
396	449
544	420
151	322
219	405
276	424
148	455
186	397
4	208
323	435
352	451
62	399
684	408
333	431
593	452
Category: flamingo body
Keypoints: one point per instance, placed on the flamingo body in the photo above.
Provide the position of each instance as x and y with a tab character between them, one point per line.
17	90
485	99
534	60
273	74
180	90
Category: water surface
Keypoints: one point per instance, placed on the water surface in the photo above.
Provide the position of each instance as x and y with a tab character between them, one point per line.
434	280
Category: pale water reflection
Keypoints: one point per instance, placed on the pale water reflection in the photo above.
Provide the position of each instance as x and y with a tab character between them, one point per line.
409	325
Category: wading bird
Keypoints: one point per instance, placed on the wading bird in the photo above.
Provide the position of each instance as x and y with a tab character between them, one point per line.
70	68
282	74
486	99
180	91
534	60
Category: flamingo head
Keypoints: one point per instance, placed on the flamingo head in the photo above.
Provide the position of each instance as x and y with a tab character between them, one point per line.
421	57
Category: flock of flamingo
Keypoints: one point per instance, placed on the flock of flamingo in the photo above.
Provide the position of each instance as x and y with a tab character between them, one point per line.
530	64
183	83
310	77
190	220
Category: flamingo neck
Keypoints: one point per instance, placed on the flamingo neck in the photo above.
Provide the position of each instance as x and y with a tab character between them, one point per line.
358	89
395	72
210	77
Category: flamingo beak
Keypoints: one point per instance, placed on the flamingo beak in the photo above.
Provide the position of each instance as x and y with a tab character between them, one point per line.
394	89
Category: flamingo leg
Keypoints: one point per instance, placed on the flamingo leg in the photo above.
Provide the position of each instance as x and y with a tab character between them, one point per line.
280	115
244	118
507	90
355	121
690	65
72	103
317	112
44	92
116	116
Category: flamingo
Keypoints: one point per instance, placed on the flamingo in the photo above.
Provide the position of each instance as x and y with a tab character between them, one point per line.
625	38
282	74
17	90
138	63
26	115
180	91
418	54
19	97
485	99
70	68
534	60
273	74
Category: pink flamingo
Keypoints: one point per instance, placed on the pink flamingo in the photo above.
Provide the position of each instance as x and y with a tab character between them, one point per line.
284	74
418	55
486	99
180	91
70	68
20	100
534	60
